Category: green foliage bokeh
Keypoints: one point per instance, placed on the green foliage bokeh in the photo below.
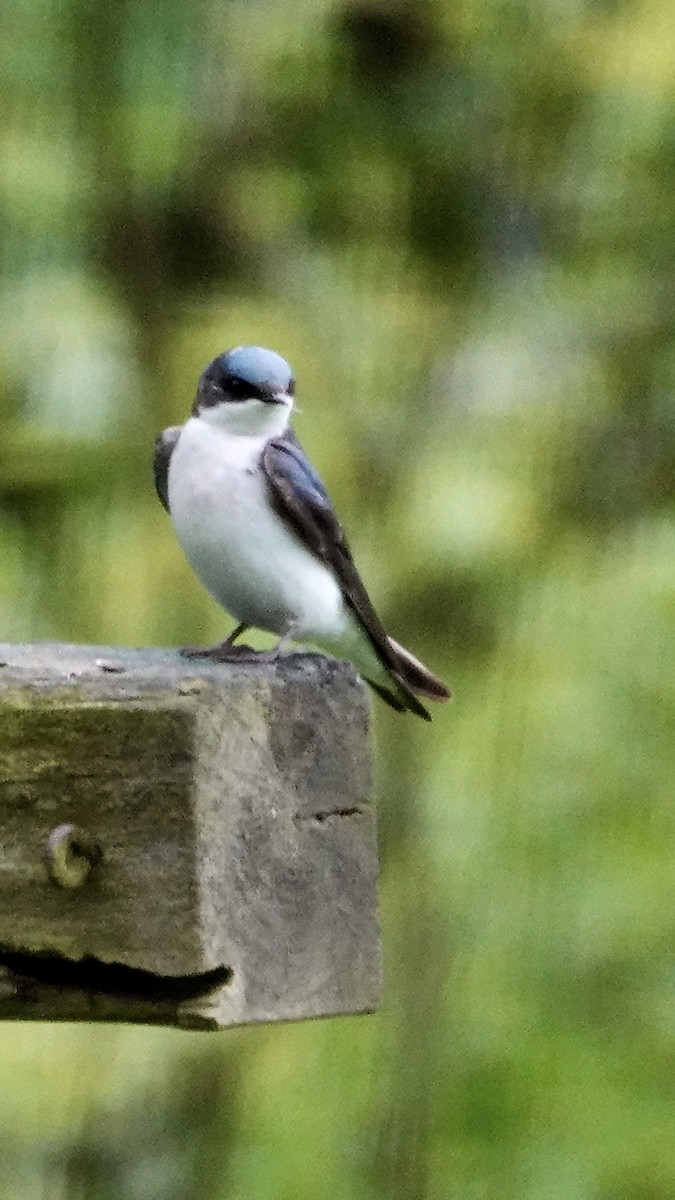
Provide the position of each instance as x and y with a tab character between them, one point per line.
456	221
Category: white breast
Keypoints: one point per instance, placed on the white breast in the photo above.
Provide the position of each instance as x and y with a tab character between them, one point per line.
242	551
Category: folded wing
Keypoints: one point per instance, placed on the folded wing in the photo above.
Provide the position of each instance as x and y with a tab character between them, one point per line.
301	500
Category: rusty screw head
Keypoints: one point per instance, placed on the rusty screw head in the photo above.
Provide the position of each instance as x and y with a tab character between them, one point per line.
70	855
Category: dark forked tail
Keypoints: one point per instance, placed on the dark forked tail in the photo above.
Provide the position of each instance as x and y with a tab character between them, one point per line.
410	679
417	677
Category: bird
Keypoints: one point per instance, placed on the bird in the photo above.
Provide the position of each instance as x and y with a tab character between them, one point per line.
257	525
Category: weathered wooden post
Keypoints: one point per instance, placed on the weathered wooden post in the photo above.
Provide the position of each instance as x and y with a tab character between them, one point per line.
181	842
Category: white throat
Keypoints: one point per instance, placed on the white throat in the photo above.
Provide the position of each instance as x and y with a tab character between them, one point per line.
249	418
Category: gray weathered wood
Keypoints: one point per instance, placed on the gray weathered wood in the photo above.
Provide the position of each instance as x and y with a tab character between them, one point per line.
212	859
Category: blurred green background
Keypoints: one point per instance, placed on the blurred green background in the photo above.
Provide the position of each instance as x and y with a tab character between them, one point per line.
457	222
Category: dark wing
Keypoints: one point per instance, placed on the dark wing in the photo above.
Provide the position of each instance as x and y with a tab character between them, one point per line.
164	448
302	501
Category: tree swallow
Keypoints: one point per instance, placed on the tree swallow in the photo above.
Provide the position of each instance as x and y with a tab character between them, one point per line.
257	525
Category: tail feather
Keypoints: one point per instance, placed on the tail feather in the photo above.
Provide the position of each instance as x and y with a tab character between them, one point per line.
416	677
402	699
393	672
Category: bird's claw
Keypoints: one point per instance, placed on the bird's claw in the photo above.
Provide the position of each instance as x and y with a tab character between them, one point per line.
225	652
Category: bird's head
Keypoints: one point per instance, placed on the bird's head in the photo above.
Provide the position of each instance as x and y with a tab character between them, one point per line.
248	390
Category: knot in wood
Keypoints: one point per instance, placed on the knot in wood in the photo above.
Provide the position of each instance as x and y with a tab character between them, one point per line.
70	855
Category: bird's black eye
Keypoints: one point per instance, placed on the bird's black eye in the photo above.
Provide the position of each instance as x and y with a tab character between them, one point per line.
241	389
238	389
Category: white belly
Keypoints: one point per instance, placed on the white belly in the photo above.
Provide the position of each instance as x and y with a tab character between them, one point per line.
240	549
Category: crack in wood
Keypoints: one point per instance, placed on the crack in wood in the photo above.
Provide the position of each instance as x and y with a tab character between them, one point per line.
110	979
325	814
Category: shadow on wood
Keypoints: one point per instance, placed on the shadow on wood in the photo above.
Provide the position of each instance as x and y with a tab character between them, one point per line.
184	843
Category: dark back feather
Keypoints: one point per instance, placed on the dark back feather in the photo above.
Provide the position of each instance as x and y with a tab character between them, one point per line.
299	496
164	448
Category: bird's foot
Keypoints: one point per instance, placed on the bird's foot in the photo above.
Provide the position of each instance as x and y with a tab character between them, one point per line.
227	651
248	654
224	652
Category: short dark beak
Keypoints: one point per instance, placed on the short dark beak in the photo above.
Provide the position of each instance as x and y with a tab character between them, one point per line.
277	398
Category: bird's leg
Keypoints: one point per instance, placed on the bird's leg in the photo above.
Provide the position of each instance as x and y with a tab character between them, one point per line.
225	652
248	654
282	645
228	652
